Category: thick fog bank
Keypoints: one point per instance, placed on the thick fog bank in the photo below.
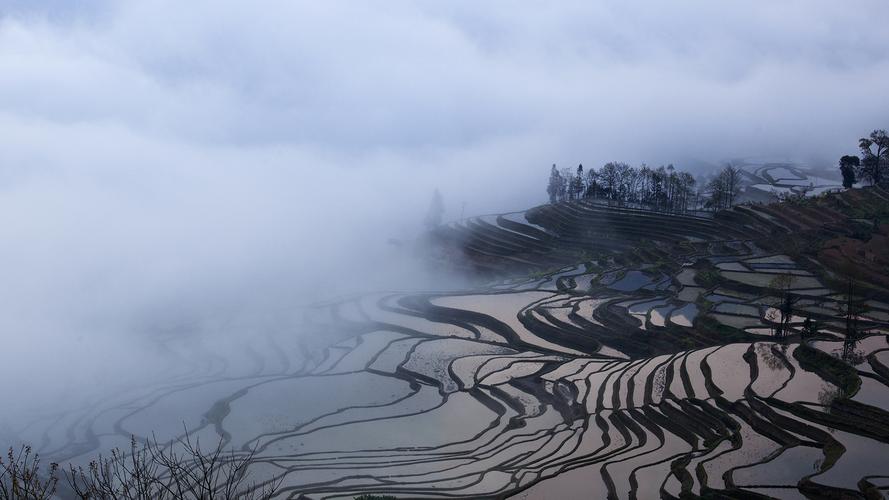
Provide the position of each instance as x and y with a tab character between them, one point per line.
205	168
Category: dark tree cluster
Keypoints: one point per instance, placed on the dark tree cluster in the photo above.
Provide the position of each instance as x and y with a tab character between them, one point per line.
663	189
873	164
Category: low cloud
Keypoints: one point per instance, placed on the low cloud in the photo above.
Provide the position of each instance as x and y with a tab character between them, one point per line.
166	160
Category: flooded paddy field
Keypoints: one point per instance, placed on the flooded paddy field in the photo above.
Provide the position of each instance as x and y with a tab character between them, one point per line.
611	377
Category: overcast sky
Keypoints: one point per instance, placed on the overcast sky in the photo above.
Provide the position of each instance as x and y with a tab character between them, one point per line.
157	155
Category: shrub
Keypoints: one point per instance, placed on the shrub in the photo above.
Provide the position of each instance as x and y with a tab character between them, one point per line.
708	278
21	477
180	470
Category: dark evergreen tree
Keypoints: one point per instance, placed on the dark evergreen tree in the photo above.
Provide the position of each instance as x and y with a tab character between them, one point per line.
848	165
810	328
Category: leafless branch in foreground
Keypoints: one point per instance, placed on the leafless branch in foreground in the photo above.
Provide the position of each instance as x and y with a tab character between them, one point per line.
179	470
21	477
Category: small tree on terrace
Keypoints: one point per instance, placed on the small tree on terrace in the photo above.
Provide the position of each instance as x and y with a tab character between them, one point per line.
875	156
629	183
553	189
576	188
436	211
725	187
610	179
718	197
810	328
732	176
848	165
657	184
852	309
686	190
592	184
565	184
671	187
781	286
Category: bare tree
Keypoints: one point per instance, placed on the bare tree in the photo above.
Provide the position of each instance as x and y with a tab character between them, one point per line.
875	156
718	198
179	470
565	185
609	176
577	184
725	187
662	189
436	211
593	189
853	308
732	176
686	190
21	477
781	286
553	189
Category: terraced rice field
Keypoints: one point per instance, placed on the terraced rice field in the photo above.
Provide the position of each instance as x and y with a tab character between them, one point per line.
621	378
782	178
